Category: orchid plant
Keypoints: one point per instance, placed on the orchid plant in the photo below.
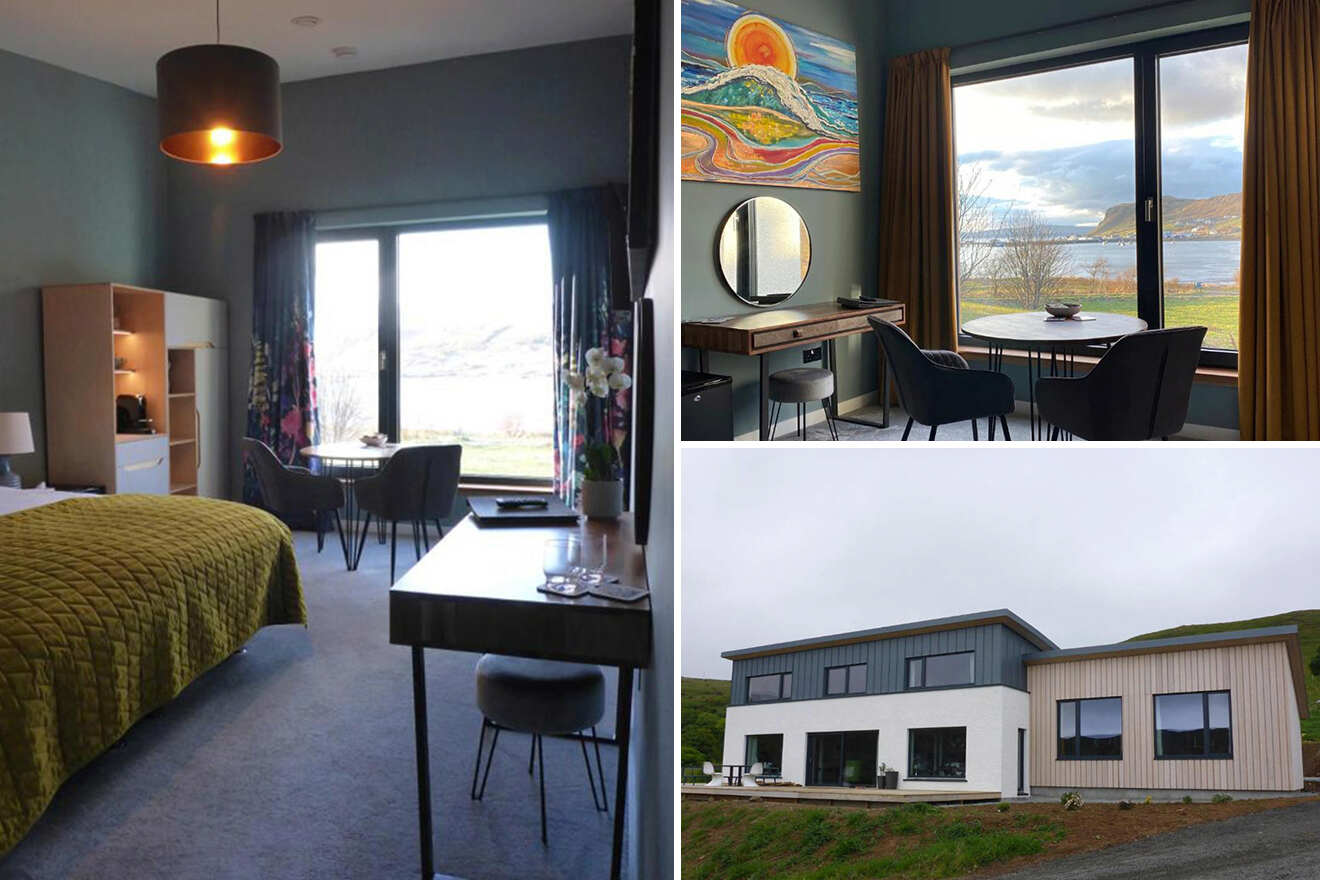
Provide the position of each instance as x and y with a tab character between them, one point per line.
602	378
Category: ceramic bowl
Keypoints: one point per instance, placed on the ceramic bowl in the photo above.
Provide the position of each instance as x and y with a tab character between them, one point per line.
1063	310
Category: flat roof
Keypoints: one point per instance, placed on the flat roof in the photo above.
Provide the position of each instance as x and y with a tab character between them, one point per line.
938	624
1233	638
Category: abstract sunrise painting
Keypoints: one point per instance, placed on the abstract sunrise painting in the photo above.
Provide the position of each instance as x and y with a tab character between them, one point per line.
766	102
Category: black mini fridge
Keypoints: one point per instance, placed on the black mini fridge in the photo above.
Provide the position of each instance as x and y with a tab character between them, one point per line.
707	406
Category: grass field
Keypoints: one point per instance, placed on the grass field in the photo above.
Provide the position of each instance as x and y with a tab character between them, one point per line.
1308	634
1215	308
701	707
502	455
724	841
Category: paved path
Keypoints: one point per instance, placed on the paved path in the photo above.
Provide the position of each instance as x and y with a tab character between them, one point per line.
1282	844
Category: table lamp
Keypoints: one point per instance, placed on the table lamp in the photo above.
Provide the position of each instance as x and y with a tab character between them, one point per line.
15	439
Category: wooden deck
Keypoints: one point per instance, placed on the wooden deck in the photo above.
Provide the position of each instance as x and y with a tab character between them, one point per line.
831	796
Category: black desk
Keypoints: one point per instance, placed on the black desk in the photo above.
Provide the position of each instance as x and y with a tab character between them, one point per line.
476	591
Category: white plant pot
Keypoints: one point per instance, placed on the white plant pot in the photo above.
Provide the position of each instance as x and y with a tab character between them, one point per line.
601	499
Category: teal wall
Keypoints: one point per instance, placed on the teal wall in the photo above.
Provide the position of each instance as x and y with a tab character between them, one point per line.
837	222
467	128
81	198
844	227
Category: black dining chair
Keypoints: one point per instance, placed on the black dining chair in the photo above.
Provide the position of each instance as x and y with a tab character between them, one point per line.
1139	390
417	484
937	387
290	491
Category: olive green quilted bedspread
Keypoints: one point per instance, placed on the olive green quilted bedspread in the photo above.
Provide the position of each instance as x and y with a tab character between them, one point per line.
109	607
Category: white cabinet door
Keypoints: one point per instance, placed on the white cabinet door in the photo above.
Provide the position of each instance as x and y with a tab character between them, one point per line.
194	321
212	423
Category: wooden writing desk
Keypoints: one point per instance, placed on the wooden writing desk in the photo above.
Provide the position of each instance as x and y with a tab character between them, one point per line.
759	333
476	591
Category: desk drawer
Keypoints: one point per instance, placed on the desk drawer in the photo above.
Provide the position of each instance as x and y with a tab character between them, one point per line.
808	332
143	466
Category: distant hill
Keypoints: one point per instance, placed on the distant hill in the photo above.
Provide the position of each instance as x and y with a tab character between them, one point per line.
701	708
1215	217
1308	633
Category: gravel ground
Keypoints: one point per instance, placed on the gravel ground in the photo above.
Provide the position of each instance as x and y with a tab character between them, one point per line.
1282	844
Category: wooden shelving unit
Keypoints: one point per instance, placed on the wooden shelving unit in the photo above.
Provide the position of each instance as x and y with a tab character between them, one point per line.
182	402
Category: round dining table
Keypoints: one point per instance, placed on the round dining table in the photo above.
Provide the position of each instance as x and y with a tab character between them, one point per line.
1038	334
347	461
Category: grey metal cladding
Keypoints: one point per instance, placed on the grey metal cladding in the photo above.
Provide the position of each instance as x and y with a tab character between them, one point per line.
998	660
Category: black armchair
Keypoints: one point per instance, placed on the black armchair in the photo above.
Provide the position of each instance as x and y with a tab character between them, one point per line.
295	491
417	484
937	387
1138	391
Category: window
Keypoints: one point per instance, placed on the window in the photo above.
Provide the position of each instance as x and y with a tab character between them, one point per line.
844	758
766	749
764	688
937	753
440	333
941	670
1091	729
1193	725
1112	179
846	679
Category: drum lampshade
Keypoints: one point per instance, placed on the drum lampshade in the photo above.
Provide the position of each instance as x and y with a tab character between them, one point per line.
219	105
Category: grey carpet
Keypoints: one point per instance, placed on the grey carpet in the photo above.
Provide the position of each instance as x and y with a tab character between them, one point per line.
1018	427
295	759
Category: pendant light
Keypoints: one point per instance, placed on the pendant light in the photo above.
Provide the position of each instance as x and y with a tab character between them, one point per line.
218	104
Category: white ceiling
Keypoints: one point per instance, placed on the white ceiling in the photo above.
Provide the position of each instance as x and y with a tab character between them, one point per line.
120	40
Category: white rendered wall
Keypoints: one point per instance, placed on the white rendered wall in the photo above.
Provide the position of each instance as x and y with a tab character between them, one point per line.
992	716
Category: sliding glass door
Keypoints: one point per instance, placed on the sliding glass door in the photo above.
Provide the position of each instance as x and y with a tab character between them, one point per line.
1112	179
445	333
845	758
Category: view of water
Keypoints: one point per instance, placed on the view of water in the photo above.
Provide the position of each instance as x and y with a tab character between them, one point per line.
1208	261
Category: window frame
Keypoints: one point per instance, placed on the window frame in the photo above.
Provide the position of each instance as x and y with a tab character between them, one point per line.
848	669
747	752
1077	726
781	676
1145	56
912	751
1207	755
907	673
390	380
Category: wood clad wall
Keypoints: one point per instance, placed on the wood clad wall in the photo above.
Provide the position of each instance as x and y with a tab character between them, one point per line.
998	660
1265	740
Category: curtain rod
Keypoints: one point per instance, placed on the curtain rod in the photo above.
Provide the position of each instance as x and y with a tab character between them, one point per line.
1108	16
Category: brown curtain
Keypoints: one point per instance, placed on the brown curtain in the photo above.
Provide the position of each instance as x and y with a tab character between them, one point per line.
1279	357
916	207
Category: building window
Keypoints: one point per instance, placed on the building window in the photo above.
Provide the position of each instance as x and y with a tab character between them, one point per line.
937	753
1193	725
767	749
1112	179
417	337
1091	729
941	670
845	679
765	688
846	758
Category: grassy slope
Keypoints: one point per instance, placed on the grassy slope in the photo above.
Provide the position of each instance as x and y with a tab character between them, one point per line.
1308	632
702	707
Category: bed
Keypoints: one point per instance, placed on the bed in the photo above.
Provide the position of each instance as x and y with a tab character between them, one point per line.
109	607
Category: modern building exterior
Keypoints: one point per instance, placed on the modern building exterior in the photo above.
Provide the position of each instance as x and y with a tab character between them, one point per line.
986	703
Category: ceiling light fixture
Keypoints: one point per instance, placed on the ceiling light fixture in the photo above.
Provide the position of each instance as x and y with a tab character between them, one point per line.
219	104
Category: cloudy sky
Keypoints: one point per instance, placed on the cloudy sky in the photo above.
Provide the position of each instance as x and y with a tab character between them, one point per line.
1090	546
1061	142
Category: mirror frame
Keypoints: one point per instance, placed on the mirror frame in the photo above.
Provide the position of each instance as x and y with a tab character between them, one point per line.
719	267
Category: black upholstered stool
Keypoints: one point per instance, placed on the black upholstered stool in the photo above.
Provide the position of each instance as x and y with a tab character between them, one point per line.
799	386
540	697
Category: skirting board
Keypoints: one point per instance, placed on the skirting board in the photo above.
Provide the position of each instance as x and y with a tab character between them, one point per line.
816	416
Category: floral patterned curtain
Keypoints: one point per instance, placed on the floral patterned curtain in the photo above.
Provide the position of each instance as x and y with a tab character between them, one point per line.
282	381
591	310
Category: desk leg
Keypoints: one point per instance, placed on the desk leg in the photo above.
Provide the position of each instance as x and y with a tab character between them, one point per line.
423	763
622	734
765	398
703	360
832	364
884	390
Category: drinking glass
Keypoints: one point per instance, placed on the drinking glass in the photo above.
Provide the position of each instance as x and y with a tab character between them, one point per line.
591	564
560	560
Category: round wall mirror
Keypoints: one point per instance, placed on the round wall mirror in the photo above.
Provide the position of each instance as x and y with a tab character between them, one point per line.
764	251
